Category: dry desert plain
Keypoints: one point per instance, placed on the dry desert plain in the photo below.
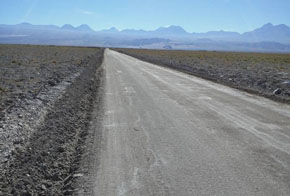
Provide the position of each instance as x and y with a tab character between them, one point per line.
93	121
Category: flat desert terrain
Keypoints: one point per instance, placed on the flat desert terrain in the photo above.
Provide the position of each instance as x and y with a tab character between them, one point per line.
95	121
264	74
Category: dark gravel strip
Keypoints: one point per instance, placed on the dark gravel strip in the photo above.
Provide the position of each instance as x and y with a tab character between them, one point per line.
47	163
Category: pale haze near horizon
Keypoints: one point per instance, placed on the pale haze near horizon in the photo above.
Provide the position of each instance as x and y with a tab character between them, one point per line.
193	16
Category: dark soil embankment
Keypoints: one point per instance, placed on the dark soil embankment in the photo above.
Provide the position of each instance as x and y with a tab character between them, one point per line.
259	73
32	78
45	162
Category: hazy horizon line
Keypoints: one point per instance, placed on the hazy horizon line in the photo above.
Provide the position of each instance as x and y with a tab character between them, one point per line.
166	26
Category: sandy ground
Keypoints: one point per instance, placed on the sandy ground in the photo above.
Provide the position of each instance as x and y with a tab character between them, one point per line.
264	74
71	126
168	133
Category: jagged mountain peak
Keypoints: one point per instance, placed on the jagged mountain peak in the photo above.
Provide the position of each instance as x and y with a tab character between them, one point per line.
84	27
68	27
173	29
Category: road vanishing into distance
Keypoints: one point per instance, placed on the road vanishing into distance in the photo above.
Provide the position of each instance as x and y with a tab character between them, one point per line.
169	133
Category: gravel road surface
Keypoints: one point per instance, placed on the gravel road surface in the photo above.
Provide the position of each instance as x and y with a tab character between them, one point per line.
169	133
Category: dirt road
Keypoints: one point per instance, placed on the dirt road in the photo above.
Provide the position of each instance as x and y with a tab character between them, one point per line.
168	133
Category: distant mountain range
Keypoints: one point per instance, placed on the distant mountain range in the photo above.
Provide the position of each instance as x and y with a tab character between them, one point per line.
83	27
269	37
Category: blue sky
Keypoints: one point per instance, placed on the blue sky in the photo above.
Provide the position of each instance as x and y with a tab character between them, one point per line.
193	15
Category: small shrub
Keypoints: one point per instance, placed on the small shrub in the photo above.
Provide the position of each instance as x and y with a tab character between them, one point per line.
2	89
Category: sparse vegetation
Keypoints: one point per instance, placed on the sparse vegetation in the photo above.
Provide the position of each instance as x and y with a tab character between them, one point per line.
1	88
